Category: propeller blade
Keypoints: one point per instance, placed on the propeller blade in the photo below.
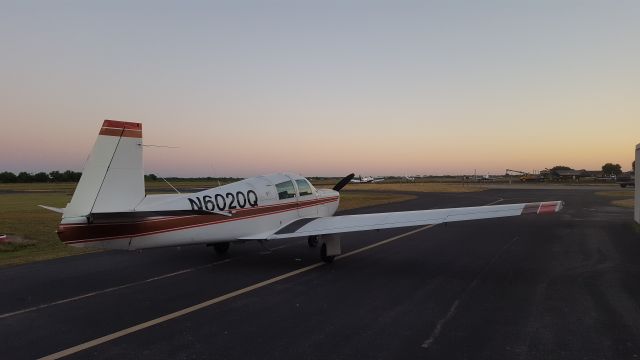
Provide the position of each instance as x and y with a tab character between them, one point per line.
342	183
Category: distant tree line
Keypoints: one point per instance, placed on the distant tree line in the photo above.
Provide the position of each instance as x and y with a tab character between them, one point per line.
607	169
40	177
611	169
560	167
74	176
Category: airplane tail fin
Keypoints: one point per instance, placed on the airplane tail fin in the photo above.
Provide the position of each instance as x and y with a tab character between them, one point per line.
113	178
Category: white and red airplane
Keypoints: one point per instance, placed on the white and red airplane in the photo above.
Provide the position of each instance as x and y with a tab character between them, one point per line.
109	208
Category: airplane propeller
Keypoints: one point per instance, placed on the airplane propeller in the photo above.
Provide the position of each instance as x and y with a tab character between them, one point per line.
342	183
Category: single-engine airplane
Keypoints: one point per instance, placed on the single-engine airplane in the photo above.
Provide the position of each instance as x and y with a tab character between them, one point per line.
366	179
110	209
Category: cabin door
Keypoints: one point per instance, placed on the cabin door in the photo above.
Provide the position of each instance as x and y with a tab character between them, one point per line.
307	197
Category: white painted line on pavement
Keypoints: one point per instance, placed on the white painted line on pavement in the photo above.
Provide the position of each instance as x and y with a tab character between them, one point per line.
150	323
83	296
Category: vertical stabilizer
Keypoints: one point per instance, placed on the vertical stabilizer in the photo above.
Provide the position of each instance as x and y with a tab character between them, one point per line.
113	178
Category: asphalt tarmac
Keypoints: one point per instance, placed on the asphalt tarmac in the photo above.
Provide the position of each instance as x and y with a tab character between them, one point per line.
559	286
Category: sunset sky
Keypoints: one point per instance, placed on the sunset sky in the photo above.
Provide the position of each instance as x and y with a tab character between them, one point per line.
324	87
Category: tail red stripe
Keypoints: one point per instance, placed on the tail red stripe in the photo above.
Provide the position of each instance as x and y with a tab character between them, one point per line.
121	128
122	125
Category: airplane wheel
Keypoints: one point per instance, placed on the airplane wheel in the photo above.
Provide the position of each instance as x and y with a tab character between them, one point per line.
324	256
312	241
221	248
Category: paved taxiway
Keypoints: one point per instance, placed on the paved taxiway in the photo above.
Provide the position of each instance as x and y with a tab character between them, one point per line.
546	287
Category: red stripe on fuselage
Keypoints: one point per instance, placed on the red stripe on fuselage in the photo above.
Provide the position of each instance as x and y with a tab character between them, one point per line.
81	233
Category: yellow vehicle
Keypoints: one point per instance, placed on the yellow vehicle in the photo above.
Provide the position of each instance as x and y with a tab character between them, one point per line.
526	177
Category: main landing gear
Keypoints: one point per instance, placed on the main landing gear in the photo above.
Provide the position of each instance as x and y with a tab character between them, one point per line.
330	247
323	254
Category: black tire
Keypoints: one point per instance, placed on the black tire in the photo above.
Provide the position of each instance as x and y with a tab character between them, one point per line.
221	248
312	241
623	185
324	256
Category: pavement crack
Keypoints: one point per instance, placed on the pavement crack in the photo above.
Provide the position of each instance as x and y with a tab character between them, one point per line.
454	307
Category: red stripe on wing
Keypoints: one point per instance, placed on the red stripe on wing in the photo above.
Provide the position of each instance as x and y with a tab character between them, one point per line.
548	208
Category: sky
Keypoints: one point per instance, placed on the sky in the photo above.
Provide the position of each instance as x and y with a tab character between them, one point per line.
323	88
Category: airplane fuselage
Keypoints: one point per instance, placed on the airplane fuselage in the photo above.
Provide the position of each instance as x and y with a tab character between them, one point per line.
243	209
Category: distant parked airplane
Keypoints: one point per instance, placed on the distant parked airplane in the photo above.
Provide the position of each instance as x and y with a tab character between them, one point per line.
110	209
366	179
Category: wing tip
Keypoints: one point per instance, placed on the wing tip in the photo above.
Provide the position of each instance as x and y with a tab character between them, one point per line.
550	207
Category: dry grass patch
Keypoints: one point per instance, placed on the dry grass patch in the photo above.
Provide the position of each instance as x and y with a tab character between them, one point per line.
626	195
625	203
358	199
616	193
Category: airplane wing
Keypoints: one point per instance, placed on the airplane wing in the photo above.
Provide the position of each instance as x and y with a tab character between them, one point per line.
350	223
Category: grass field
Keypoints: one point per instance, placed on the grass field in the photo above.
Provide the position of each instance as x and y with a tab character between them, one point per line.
33	228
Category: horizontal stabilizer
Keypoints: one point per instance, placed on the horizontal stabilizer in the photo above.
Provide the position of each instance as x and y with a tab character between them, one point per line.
51	208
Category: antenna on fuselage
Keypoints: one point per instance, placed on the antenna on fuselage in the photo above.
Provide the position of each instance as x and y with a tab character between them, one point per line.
168	183
160	146
213	172
166	147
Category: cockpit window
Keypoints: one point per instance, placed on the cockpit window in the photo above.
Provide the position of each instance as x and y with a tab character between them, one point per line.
286	190
303	187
